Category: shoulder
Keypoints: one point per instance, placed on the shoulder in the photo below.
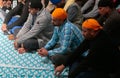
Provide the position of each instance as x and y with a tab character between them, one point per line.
69	25
44	15
115	14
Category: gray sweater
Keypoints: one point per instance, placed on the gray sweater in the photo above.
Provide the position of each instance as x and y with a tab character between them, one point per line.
42	28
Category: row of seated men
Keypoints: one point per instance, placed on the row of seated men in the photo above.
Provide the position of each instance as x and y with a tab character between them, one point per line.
87	43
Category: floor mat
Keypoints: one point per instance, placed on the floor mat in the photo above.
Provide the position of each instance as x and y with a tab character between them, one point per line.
27	65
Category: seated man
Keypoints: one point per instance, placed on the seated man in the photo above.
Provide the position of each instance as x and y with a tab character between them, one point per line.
16	17
36	31
73	10
66	38
110	20
100	61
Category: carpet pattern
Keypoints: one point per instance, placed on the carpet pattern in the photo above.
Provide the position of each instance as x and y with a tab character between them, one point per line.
27	65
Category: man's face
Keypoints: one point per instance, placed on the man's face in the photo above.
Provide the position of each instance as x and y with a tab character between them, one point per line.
57	22
103	10
33	11
88	33
4	2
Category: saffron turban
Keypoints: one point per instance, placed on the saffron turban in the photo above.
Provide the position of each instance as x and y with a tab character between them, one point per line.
59	13
91	24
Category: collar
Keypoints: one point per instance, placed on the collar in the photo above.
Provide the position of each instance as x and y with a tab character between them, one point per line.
39	12
62	26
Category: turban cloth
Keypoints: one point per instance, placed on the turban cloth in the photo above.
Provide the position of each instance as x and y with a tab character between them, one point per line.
91	24
59	13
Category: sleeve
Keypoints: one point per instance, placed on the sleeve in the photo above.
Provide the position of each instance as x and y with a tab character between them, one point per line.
22	19
66	42
94	12
77	53
12	12
77	70
72	13
26	26
53	40
87	5
39	25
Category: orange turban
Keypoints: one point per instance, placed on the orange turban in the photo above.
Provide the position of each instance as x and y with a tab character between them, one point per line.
91	24
59	13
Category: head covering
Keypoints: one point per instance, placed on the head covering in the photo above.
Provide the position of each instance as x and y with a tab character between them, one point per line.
104	3
59	13
91	24
55	1
35	4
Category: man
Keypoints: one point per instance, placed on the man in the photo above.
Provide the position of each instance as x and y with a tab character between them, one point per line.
74	11
15	18
100	59
66	36
111	21
36	31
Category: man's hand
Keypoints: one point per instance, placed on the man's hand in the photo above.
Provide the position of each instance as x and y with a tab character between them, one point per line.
4	27
21	50
59	69
15	44
43	52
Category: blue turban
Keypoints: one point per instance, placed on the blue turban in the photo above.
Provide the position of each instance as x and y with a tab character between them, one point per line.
55	1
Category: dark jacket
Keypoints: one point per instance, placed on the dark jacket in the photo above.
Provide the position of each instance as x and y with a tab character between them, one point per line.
111	24
100	57
21	10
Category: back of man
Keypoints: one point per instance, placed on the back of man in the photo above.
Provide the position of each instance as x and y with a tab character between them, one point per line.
112	20
112	26
74	14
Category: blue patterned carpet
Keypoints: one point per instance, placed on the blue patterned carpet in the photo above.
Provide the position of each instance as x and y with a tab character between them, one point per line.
27	65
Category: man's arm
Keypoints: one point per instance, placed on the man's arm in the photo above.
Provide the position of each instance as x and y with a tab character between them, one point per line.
78	52
66	42
94	12
53	40
87	5
26	27
72	12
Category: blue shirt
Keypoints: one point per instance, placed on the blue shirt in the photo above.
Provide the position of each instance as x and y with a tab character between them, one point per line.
68	36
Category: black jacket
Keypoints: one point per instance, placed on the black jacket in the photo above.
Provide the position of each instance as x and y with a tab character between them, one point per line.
21	10
100	58
111	24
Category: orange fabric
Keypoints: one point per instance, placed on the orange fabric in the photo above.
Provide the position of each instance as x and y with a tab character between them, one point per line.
91	24
59	13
